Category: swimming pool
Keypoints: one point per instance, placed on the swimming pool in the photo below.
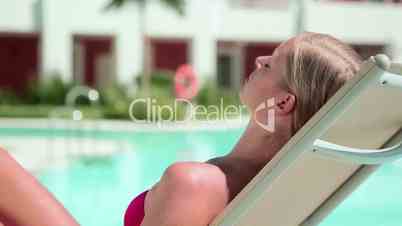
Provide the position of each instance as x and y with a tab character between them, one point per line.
96	190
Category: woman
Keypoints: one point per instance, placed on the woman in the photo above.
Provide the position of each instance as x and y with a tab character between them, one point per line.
300	76
23	201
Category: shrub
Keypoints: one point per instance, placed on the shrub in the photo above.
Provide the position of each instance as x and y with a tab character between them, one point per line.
210	94
44	111
43	96
51	91
8	97
115	101
161	96
161	79
161	91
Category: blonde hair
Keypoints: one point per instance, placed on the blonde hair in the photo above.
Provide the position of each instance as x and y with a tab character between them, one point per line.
317	66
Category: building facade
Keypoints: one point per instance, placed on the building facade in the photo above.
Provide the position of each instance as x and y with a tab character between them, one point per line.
81	40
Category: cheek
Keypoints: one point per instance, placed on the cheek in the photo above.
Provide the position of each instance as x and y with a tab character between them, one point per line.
250	94
260	88
247	94
243	93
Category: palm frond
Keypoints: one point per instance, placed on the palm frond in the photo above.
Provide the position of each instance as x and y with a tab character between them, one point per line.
177	5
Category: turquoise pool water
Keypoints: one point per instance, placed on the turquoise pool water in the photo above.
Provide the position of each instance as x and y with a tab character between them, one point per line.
97	190
377	202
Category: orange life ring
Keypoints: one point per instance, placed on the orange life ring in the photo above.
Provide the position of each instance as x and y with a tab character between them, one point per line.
186	84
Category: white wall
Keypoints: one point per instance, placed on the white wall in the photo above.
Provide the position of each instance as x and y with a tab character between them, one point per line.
256	24
357	22
64	18
203	23
19	15
195	25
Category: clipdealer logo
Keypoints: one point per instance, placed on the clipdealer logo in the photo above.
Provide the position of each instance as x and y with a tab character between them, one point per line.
169	113
159	114
268	107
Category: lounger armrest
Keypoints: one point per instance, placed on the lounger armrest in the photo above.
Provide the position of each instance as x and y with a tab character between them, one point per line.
356	155
383	61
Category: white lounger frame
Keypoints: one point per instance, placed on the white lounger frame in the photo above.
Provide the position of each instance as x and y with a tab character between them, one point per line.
354	181
309	145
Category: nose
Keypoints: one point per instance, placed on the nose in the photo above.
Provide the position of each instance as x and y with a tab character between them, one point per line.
261	60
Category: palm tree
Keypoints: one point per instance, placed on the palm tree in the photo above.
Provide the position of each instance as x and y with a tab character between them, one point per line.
177	5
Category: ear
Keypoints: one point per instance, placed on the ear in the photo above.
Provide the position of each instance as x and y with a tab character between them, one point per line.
285	103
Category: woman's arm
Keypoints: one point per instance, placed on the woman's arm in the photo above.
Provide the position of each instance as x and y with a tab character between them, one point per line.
23	201
189	193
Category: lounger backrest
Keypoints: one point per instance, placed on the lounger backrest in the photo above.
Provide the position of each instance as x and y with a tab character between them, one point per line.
297	181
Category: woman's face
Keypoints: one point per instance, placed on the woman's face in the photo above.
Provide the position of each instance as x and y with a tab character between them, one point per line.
263	82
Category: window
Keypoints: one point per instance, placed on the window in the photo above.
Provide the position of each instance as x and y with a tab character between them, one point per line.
225	66
229	64
93	59
168	54
19	60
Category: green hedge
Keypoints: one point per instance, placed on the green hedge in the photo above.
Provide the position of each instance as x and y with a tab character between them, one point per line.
161	79
52	91
44	111
42	97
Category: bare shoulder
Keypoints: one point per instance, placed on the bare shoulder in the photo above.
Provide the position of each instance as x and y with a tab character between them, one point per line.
200	168
4	156
185	185
3	152
196	175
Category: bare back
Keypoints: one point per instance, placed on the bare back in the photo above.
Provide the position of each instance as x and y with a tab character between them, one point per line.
238	172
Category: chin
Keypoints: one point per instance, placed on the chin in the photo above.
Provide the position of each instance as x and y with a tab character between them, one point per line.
244	100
